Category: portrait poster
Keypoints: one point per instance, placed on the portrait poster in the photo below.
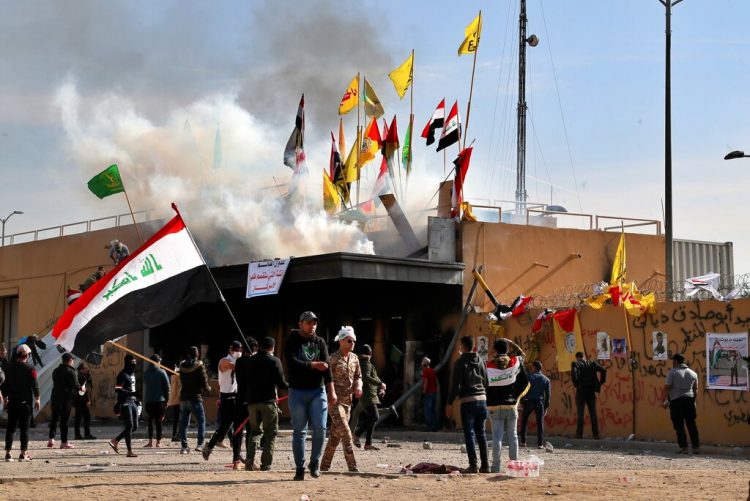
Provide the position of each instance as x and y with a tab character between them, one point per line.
482	348
659	343
603	346
619	347
726	368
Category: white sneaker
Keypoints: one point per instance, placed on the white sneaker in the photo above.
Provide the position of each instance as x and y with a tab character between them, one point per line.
222	444
199	448
185	450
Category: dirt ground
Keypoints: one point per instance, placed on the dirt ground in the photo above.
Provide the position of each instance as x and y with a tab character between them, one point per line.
575	470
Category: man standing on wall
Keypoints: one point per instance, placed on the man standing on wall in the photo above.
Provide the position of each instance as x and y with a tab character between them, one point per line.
307	361
680	391
588	377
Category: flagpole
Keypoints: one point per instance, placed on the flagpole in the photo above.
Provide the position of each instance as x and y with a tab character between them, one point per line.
471	86
221	294
358	139
411	128
137	231
135	353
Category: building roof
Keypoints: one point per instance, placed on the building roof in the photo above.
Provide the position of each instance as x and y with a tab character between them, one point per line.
345	265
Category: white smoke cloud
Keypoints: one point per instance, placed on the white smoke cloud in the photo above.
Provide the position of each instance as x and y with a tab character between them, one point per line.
235	209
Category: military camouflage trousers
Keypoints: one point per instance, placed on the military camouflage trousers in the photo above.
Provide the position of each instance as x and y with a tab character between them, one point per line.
340	432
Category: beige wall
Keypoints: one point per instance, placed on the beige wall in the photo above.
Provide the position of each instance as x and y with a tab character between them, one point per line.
509	253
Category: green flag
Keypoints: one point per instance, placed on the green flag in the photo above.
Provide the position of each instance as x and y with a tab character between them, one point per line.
406	151
107	182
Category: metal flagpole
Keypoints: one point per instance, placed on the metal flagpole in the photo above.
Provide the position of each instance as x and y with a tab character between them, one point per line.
137	231
471	87
358	138
221	295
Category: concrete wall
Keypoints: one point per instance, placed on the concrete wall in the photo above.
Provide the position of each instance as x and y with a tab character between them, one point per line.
530	260
722	414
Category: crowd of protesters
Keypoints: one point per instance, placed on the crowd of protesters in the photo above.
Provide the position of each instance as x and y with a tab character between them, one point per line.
320	387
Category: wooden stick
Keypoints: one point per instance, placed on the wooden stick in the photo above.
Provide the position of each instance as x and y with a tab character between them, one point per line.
137	231
124	348
471	87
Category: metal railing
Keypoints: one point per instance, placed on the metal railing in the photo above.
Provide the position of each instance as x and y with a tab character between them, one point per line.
101	223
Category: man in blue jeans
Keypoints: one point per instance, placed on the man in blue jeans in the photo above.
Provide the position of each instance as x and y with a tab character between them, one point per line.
537	401
469	385
507	384
429	394
309	376
194	381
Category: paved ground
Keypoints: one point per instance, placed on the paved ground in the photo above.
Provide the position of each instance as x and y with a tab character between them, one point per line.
577	469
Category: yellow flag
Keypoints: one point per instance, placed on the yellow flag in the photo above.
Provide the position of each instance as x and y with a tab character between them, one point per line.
471	34
373	107
618	267
331	198
350	166
342	136
401	76
567	338
351	96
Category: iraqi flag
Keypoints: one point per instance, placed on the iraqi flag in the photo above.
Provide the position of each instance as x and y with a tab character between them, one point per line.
156	283
436	122
451	129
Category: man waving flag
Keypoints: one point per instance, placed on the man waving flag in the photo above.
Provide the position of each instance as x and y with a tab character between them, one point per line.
152	286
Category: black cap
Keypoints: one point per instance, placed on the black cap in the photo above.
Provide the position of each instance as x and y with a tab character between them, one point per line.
67	356
235	345
307	315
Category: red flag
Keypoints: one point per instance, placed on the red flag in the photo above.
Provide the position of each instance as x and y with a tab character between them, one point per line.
391	140
462	166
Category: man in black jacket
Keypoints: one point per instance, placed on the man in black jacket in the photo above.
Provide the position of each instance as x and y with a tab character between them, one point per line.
263	377
588	377
65	388
469	384
19	391
194	381
241	416
310	391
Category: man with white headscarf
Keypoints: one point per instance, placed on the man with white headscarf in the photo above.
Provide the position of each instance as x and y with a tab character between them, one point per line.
347	380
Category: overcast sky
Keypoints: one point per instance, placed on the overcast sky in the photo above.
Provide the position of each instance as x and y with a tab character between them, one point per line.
70	70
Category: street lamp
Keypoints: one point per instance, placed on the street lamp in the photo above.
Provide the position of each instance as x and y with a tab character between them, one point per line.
735	154
2	241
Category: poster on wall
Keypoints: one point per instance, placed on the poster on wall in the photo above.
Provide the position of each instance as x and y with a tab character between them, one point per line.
725	367
619	347
659	344
603	346
482	348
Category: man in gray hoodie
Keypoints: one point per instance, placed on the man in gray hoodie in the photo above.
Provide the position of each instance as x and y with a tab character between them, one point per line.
469	384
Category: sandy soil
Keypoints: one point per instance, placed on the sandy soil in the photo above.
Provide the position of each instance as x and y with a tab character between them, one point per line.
583	470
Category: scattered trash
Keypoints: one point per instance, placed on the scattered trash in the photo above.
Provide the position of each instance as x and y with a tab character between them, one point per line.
382	465
406	471
523	468
549	493
304	497
463	448
104	452
568	446
454	473
548	447
393	445
625	480
630	437
374	485
426	445
441	478
591	465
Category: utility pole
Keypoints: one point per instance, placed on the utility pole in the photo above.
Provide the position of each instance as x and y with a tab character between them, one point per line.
521	194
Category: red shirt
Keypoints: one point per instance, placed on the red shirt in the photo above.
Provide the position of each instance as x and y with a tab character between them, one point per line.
429	380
